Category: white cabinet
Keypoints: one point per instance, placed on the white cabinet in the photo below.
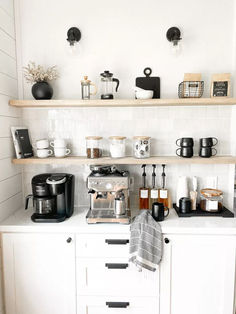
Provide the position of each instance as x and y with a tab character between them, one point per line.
39	273
198	275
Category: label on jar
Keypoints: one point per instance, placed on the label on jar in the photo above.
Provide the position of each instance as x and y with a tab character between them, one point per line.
144	194
154	193
163	194
212	205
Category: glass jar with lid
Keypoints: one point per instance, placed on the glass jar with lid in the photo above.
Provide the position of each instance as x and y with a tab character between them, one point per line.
211	200
141	146
94	146
117	146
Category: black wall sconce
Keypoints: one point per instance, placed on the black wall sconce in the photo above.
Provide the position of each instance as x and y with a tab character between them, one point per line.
73	36
173	35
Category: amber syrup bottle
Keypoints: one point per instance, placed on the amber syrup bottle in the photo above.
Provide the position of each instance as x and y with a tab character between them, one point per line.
144	192
153	191
163	192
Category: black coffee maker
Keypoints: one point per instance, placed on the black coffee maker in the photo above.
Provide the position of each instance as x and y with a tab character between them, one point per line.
53	197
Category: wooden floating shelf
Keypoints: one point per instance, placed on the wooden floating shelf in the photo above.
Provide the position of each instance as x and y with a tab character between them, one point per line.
122	102
125	161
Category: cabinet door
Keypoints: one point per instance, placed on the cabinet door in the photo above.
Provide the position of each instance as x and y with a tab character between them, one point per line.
39	273
198	275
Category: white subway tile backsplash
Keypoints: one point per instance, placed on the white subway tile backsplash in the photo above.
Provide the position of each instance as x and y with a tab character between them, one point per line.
163	124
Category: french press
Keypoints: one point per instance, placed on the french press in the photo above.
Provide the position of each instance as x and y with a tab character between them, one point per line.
107	80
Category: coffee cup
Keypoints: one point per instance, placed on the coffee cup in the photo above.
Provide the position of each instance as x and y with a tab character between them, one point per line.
44	153
41	144
207	152
185	142
208	141
61	151
158	211
58	143
186	152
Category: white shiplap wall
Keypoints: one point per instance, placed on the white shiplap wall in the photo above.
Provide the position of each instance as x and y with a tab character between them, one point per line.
10	175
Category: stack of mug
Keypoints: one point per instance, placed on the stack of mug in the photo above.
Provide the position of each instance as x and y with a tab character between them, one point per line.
42	148
60	149
186	147
206	145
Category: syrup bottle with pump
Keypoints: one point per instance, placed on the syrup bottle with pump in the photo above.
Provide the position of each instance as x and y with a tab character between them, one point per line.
144	192
164	194
154	189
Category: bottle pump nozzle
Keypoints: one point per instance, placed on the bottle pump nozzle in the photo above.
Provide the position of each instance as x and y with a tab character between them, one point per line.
144	176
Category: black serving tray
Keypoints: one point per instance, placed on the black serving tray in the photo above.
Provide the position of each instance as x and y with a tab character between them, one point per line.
226	213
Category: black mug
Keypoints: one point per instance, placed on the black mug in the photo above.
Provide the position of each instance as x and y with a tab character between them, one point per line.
206	152
185	142
185	205
208	141
186	152
158	211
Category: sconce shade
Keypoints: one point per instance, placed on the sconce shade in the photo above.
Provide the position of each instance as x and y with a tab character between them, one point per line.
73	35
173	35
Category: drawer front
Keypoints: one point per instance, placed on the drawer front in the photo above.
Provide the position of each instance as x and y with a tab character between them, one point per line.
114	276
96	245
117	305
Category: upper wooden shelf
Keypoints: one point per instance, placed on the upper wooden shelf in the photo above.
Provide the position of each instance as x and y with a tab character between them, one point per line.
80	160
54	103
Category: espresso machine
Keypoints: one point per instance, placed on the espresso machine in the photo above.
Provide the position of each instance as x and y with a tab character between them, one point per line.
109	195
53	197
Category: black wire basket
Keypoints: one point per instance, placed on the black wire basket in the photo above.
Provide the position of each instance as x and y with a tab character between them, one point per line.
191	89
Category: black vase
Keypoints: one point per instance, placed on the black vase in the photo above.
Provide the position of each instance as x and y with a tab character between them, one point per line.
42	90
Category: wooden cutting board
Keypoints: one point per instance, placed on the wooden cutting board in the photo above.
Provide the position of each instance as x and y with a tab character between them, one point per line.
149	82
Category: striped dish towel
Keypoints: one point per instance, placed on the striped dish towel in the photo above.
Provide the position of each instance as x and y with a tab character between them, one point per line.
145	242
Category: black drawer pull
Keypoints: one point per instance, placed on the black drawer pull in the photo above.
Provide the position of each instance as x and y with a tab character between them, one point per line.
116	266
117	241
117	304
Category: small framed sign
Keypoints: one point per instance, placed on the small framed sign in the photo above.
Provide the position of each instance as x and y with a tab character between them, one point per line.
220	85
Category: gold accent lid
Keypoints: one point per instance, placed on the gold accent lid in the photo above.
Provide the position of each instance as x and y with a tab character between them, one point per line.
117	137
141	138
85	80
93	137
211	192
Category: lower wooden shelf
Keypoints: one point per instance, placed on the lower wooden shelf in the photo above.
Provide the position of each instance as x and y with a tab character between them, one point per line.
81	160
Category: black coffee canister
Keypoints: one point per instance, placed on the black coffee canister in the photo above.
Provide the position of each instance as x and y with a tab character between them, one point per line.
184	205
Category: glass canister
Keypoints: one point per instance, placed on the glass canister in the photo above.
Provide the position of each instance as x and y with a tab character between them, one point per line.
211	200
94	146
117	146
141	146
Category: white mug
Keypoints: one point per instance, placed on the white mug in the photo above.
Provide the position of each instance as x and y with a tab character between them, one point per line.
43	143
58	143
44	153
61	151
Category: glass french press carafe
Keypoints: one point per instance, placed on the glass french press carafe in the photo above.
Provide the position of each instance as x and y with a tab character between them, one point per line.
107	80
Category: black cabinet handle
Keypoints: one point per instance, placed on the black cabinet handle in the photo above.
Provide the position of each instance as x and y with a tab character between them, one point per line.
116	266
117	241
166	240
117	304
69	240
